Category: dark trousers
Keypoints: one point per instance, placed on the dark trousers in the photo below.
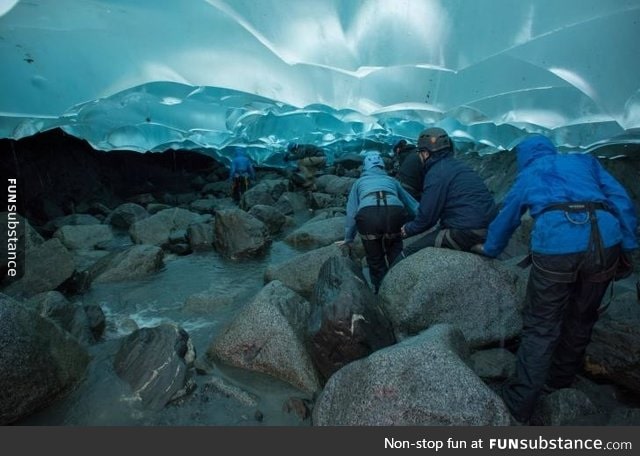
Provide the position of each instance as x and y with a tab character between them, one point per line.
564	293
446	238
379	228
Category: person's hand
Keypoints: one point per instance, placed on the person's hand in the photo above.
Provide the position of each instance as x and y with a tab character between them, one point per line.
403	233
345	246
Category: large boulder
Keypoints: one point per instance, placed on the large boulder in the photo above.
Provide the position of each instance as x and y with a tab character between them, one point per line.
69	316
267	336
47	266
39	362
132	263
240	235
614	350
346	320
201	235
270	216
290	203
317	234
83	237
300	273
155	362
159	228
435	285
421	381
334	185
127	214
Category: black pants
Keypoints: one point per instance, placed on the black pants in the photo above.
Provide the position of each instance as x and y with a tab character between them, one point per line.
564	293
379	228
239	187
449	238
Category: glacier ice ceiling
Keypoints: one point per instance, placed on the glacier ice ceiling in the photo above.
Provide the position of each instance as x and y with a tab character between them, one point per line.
150	75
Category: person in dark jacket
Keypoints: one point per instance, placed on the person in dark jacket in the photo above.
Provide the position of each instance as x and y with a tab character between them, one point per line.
409	168
456	206
377	207
583	220
309	159
241	174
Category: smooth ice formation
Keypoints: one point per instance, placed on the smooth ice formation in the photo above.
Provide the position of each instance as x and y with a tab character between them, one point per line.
205	75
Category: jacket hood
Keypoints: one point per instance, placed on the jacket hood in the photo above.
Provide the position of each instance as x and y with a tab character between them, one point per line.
532	148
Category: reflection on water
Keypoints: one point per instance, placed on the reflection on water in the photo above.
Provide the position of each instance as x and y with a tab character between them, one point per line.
103	399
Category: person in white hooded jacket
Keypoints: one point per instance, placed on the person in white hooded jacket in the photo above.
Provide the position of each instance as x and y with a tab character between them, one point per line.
377	208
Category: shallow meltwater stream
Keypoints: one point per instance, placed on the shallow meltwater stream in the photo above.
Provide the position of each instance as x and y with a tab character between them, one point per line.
103	399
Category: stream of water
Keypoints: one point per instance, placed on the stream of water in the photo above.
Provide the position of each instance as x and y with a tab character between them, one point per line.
103	399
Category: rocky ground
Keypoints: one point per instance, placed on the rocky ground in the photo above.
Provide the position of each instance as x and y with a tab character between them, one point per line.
425	351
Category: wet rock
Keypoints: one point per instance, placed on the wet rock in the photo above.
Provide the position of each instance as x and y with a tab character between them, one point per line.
227	389
614	350
97	319
83	237
290	203
493	364
70	220
270	216
39	363
204	206
155	363
562	407
421	381
334	185
346	320
69	316
297	406
445	286
240	235
268	337
127	214
158	228
624	416
300	273
49	265
134	262
314	234
201	236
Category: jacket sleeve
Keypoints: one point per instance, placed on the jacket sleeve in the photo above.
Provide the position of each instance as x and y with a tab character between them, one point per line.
409	201
352	209
506	222
619	201
431	205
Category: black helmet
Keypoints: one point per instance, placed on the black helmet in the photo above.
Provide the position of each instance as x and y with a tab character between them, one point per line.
434	140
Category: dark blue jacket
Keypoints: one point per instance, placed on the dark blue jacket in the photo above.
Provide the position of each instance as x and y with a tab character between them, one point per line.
546	177
241	165
453	194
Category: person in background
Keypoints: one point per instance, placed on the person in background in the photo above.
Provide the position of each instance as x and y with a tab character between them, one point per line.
377	207
456	206
241	174
309	159
409	168
583	221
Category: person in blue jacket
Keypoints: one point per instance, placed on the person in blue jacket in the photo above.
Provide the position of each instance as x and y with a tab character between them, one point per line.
241	174
456	206
583	220
377	207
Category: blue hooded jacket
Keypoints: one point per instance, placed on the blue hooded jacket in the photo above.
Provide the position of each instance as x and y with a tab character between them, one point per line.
362	194
241	165
546	177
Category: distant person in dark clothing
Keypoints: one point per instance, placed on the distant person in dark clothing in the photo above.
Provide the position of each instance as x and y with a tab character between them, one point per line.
309	159
409	168
583	221
241	174
456	205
